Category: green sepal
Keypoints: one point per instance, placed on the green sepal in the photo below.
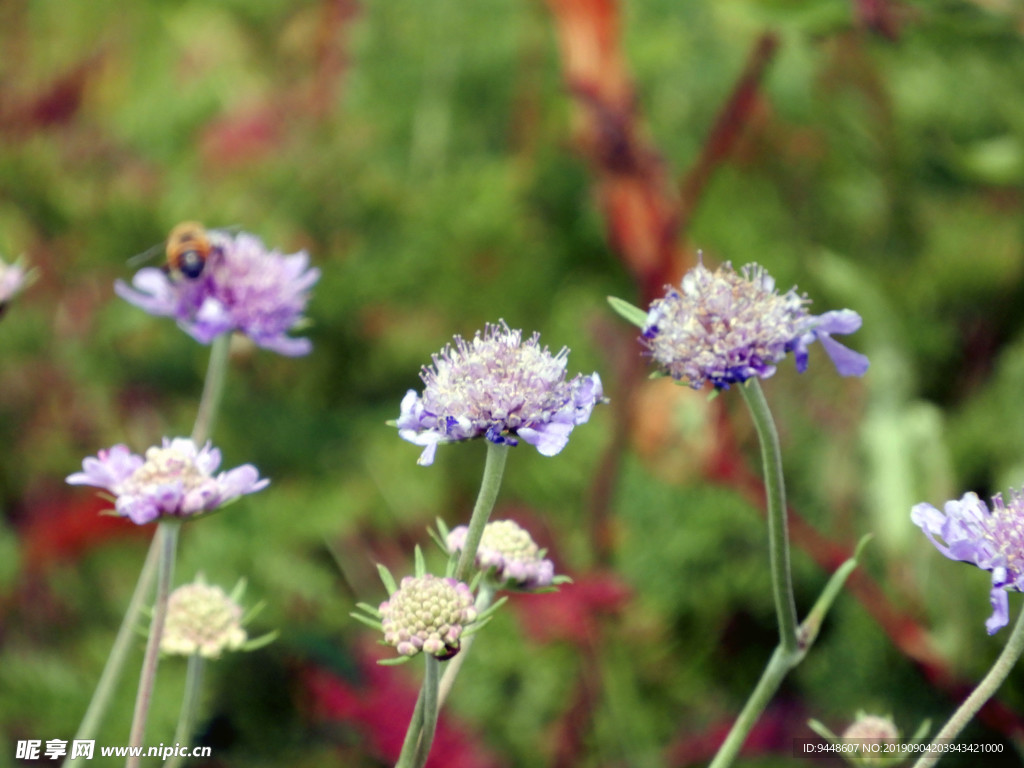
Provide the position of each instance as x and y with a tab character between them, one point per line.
421	564
370	610
253	612
475	627
367	621
922	732
395	661
808	629
487	613
387	578
822	730
260	642
628	312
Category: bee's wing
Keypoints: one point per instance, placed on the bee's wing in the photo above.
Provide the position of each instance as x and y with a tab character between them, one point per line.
147	255
234	229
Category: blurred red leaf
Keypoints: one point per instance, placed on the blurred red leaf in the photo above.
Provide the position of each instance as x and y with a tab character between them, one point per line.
572	614
64	528
379	704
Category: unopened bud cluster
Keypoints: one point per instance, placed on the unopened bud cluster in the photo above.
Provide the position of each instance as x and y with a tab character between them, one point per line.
202	619
427	614
511	551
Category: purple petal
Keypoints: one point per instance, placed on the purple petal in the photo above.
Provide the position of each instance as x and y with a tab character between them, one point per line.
931	521
587	395
549	439
846	361
427	457
155	292
839	321
207	459
108	469
410	412
457	538
241	480
1000	610
140	510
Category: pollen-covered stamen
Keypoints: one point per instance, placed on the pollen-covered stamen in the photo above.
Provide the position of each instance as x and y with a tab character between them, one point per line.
499	387
1005	531
165	465
496	380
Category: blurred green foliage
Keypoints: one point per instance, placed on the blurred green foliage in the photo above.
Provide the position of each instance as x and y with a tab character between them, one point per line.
422	153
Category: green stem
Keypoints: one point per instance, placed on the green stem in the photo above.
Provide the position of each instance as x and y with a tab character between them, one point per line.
119	652
484	598
413	733
782	662
778	537
430	710
189	707
986	688
494	468
778	666
788	653
167	533
213	389
420	733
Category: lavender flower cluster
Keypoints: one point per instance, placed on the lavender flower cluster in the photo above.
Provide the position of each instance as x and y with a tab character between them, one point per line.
719	327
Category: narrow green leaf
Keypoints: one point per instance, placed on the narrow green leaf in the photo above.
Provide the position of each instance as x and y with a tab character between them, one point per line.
260	642
486	615
395	661
367	621
387	578
628	312
370	609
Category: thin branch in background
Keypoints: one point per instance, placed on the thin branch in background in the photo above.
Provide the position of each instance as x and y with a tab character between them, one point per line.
735	116
636	192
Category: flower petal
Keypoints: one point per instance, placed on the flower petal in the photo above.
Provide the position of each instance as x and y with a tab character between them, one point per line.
1000	610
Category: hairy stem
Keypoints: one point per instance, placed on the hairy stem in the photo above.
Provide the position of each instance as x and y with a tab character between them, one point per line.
778	535
985	690
494	468
119	652
167	534
213	389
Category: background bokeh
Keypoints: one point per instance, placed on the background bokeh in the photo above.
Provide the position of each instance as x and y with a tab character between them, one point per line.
447	164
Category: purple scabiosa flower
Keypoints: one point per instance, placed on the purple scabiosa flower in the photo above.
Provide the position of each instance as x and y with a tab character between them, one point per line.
510	551
14	278
726	327
993	541
173	480
243	287
499	387
427	613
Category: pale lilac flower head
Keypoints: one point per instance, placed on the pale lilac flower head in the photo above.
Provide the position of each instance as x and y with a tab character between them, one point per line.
510	551
870	735
204	620
500	387
726	327
243	287
993	541
173	480
14	278
427	613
